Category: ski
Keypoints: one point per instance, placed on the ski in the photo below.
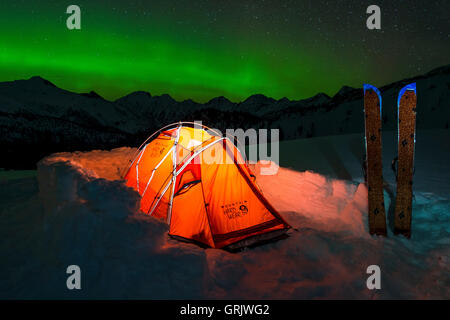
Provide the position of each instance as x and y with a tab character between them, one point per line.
374	167
406	122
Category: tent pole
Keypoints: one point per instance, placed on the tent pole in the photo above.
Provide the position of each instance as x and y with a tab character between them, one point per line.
156	168
174	175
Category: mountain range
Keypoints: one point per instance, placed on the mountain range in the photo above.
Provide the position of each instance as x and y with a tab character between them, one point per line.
37	118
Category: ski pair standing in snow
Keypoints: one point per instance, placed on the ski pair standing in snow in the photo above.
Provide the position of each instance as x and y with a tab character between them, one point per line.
406	126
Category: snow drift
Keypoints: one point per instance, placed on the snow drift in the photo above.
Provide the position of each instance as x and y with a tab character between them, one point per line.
84	214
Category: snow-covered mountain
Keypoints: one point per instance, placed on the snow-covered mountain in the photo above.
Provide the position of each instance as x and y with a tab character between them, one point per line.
38	118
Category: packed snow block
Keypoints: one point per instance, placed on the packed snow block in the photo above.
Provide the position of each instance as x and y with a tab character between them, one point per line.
58	183
310	199
64	182
86	176
92	219
106	164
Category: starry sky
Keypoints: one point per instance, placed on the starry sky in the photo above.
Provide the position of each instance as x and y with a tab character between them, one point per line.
198	49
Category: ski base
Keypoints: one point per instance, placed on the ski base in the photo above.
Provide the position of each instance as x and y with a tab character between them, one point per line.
406	144
372	110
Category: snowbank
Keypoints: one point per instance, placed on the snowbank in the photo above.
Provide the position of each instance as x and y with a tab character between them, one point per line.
91	219
83	214
309	199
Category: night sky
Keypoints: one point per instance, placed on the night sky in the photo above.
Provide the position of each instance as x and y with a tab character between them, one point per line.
202	49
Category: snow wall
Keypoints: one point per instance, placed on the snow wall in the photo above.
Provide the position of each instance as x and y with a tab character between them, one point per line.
86	216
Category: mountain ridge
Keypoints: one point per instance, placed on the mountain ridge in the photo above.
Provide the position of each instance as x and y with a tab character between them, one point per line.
40	118
441	69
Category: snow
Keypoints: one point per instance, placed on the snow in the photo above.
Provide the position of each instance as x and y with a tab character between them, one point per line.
329	205
78	211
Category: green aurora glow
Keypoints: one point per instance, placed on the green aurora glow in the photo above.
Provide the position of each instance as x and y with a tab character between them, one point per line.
116	53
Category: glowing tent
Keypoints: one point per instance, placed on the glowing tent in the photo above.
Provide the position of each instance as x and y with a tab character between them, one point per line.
198	182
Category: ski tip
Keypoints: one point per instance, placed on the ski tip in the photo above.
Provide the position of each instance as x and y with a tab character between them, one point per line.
371	87
408	87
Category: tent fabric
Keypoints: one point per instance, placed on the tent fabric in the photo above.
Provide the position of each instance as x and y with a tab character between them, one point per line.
200	184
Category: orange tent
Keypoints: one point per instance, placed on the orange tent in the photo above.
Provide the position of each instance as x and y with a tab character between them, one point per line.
198	182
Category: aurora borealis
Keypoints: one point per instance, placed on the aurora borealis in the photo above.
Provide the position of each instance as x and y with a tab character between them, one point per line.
202	49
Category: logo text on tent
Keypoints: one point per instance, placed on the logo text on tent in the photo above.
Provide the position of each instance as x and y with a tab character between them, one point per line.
235	210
